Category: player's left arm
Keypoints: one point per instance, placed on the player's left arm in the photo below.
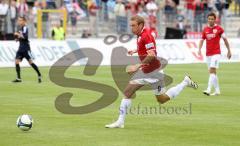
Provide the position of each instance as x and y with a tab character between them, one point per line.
229	54
131	52
133	68
150	56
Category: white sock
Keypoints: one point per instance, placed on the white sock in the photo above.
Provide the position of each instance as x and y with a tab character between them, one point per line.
125	104
210	82
174	91
215	83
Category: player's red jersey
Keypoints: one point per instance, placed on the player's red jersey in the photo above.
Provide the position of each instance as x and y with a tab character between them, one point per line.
212	36
145	42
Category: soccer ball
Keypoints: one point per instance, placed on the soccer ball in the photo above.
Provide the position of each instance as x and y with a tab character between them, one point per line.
24	122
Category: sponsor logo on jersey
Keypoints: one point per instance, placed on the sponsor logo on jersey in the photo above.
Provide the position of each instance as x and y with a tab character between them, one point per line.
210	36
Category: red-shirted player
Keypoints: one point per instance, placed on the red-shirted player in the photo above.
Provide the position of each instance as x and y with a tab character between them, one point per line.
212	34
146	72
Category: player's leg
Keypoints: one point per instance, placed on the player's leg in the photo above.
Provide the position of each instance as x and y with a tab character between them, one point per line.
35	67
213	64
18	59
174	91
125	104
127	100
18	71
213	73
210	78
29	57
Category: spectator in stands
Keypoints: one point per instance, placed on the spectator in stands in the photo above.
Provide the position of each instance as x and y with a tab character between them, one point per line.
237	7
45	21
132	4
170	10
152	20
104	10
176	2
189	12
181	25
83	5
51	4
22	8
211	5
80	12
152	10
152	7
14	14
198	15
3	13
35	9
226	7
219	4
58	32
63	7
74	16
225	11
10	20
205	10
68	5
93	18
121	17
75	5
143	3
3	7
142	13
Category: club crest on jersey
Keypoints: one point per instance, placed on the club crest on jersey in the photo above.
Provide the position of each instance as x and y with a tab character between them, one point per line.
214	30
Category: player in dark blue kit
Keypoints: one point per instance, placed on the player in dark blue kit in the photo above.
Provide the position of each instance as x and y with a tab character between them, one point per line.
24	50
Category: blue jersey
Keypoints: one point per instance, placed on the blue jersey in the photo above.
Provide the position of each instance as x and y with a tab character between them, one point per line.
23	39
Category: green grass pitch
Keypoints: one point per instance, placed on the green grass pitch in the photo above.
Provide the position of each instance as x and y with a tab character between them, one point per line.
214	121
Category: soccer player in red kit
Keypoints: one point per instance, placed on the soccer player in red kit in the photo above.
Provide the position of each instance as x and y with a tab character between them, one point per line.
146	72
212	34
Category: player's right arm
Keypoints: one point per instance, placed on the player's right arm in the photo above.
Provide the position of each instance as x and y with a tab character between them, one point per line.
200	47
201	43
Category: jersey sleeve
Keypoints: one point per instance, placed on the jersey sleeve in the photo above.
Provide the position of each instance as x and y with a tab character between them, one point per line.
221	30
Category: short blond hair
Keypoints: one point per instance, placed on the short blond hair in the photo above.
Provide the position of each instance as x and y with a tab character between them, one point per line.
138	19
